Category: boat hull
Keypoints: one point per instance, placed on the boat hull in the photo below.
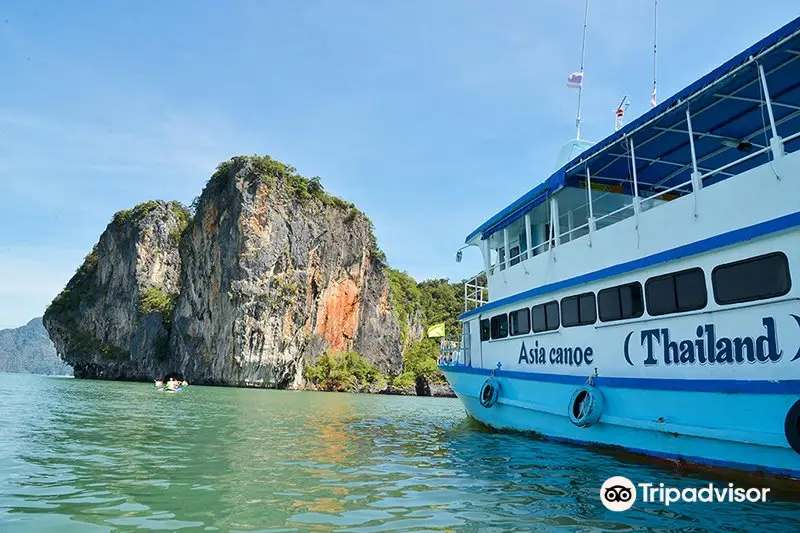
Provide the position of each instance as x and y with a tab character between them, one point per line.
742	431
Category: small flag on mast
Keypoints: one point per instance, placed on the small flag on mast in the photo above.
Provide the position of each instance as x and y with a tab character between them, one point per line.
653	98
575	80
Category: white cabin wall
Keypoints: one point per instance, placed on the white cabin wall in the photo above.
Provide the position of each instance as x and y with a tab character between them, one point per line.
607	338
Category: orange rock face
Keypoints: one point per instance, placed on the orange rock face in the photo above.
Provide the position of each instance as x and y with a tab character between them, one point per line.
338	314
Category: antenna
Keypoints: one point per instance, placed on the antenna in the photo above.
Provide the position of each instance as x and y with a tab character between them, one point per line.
655	52
580	74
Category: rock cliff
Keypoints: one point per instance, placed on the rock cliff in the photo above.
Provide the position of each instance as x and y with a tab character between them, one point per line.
112	320
269	273
277	272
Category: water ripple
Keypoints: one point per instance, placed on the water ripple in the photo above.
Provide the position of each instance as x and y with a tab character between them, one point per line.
98	456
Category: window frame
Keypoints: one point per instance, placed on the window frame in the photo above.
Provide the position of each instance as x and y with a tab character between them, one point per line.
488	329
674	275
618	289
498	337
581	321
544	307
751	260
527	311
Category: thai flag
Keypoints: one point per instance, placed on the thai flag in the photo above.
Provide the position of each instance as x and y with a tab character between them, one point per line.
575	80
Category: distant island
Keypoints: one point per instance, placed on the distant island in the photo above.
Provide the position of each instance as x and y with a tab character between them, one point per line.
266	280
28	350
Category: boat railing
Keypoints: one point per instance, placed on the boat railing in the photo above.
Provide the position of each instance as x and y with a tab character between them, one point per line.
647	203
734	156
454	350
737	162
521	256
476	293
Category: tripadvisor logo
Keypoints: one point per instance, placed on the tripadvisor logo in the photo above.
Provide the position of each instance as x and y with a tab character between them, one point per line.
618	493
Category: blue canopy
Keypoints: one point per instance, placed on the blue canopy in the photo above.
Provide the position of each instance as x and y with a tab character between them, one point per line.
728	121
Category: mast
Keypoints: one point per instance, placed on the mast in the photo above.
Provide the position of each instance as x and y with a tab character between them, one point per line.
655	52
580	85
620	113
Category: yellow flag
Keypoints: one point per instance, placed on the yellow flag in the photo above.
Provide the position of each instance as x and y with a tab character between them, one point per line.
436	330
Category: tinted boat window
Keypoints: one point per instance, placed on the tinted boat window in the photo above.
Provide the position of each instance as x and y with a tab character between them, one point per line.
569	311
545	317
588	308
551	309
485	330
618	303
538	318
758	278
578	310
676	292
499	326
520	322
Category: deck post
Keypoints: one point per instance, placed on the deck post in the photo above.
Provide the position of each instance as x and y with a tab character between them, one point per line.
636	206
505	247
570	225
556	225
528	236
775	142
697	178
592	227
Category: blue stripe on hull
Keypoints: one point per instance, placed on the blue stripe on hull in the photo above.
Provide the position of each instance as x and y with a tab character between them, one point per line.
741	431
698	385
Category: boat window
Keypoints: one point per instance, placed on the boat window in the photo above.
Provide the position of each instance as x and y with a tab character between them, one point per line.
520	322
545	317
676	292
619	303
485	330
500	326
757	278
515	257
578	310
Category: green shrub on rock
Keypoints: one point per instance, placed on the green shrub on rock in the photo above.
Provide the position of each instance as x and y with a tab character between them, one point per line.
344	372
157	300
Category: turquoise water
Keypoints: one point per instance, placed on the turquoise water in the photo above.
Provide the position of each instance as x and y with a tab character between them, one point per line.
101	456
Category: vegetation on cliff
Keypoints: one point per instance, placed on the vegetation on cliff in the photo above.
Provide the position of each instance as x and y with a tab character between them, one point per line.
287	184
344	372
81	288
432	302
155	299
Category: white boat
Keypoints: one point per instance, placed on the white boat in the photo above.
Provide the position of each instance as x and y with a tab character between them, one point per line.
646	295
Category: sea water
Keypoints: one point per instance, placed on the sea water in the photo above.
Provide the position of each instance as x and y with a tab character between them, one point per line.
101	456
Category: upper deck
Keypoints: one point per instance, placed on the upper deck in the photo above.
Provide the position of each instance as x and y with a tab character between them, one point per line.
743	115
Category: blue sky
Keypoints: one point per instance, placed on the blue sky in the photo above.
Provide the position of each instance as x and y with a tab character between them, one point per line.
429	116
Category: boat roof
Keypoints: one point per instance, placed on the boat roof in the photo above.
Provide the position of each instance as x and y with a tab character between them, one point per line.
725	104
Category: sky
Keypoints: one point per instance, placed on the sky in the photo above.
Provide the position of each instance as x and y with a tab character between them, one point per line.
429	116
